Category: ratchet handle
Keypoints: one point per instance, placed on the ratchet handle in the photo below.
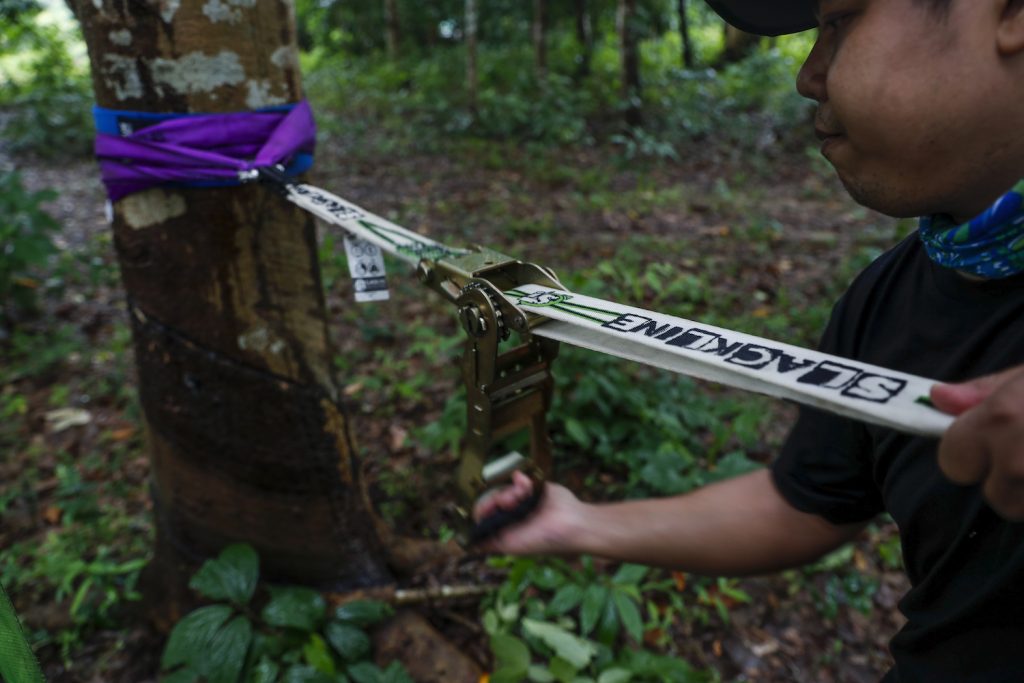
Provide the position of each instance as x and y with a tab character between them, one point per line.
497	521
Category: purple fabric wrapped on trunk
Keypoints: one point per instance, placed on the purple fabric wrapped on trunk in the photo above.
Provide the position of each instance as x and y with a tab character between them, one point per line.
203	149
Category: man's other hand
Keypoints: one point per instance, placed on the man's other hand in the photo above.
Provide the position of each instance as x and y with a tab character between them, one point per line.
985	444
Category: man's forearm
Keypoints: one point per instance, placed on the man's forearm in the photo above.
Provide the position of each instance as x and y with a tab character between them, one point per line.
737	527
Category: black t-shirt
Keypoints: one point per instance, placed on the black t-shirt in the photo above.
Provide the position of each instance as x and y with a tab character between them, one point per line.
965	608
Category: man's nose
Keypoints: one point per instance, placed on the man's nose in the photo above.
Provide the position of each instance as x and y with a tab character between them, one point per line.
811	81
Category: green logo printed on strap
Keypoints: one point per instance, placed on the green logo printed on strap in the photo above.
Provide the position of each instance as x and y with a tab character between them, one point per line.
17	662
561	302
406	245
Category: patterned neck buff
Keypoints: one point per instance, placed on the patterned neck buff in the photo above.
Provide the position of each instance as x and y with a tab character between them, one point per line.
989	246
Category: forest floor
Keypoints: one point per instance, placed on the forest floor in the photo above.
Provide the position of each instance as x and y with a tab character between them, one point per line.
767	245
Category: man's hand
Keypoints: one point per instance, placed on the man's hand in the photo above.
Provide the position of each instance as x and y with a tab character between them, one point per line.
549	530
985	445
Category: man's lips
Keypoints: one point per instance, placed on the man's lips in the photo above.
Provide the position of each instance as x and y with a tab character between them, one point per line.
825	134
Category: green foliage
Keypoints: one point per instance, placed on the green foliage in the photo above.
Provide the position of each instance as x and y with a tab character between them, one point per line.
420	96
91	563
43	85
293	639
552	622
231	577
25	242
836	582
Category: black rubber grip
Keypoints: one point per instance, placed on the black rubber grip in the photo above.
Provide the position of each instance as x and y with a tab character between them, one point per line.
489	526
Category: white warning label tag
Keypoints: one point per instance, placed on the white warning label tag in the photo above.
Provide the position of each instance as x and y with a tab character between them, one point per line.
366	266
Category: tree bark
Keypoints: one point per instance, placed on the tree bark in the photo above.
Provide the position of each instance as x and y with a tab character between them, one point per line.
738	45
684	33
392	34
630	51
539	33
472	85
585	37
246	433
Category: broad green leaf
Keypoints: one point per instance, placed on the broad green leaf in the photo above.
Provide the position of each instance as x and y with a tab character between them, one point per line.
608	625
396	673
615	676
185	675
490	622
294	607
232	576
568	646
594	599
365	672
363	612
511	655
577	432
562	670
264	672
732	465
629	615
226	656
567	598
630	574
509	612
348	641
303	673
317	655
540	674
191	636
503	676
547	577
649	665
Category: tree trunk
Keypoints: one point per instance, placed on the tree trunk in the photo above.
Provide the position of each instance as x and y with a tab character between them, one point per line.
738	45
539	32
392	34
472	86
585	37
684	33
245	430
630	50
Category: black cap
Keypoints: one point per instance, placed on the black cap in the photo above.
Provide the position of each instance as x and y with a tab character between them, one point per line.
767	17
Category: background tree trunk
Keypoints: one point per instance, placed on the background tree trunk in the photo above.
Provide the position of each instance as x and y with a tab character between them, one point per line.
245	430
684	33
539	32
392	34
738	45
630	50
585	37
472	85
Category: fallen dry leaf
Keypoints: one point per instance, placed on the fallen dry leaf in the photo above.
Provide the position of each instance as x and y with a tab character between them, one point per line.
65	418
52	515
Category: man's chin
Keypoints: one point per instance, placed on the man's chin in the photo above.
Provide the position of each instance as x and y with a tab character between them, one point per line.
879	197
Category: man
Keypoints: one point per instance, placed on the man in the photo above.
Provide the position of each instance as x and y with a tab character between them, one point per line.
920	113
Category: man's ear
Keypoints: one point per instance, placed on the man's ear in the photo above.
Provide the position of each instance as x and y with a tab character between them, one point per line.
1010	35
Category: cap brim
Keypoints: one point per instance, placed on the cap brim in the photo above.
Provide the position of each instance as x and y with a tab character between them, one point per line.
767	17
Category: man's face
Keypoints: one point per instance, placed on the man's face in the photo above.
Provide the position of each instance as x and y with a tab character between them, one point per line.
919	112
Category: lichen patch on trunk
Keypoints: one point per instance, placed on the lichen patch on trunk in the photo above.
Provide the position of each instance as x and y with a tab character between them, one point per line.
121	75
261	339
197	73
259	95
285	57
168	8
145	209
121	37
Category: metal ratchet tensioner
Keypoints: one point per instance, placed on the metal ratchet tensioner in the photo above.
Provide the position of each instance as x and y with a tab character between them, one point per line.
505	391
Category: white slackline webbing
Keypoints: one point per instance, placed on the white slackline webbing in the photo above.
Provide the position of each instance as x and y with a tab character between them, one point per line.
857	390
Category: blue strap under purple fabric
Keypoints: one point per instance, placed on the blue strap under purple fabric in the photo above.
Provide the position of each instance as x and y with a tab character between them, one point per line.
139	150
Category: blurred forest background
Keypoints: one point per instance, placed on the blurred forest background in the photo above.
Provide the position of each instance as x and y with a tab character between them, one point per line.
645	152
